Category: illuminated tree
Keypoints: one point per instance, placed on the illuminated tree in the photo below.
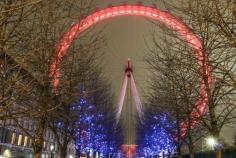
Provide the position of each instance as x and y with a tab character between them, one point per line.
94	127
157	135
174	84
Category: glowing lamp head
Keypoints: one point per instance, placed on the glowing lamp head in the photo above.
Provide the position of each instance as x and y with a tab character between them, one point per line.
71	156
211	141
52	147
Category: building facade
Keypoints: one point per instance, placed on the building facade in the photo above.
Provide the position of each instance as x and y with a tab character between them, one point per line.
15	143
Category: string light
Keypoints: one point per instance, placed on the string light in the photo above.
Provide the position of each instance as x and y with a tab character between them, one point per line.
156	139
92	134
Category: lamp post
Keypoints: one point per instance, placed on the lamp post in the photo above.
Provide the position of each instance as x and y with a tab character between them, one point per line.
52	149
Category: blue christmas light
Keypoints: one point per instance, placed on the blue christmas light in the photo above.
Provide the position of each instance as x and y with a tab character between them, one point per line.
92	131
156	138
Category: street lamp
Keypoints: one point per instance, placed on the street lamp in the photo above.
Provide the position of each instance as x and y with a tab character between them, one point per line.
43	156
211	141
52	149
71	156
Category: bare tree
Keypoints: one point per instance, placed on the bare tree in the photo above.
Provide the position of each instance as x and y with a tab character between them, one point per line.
15	81
30	30
81	65
215	28
174	84
214	22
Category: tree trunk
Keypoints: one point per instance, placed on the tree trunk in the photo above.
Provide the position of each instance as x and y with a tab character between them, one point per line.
191	148
38	141
63	153
178	135
37	155
189	131
234	8
87	155
218	154
215	133
79	153
37	149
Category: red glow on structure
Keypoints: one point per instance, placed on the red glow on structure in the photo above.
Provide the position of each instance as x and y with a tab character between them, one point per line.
137	10
129	150
129	79
128	68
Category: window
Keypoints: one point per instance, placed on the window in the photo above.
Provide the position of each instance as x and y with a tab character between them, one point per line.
31	126
25	140
26	126
30	142
47	134
16	139
13	138
19	139
7	122
48	146
5	135
11	122
44	144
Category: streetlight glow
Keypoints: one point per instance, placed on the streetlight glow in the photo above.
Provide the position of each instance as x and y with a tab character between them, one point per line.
7	153
71	156
211	141
52	147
